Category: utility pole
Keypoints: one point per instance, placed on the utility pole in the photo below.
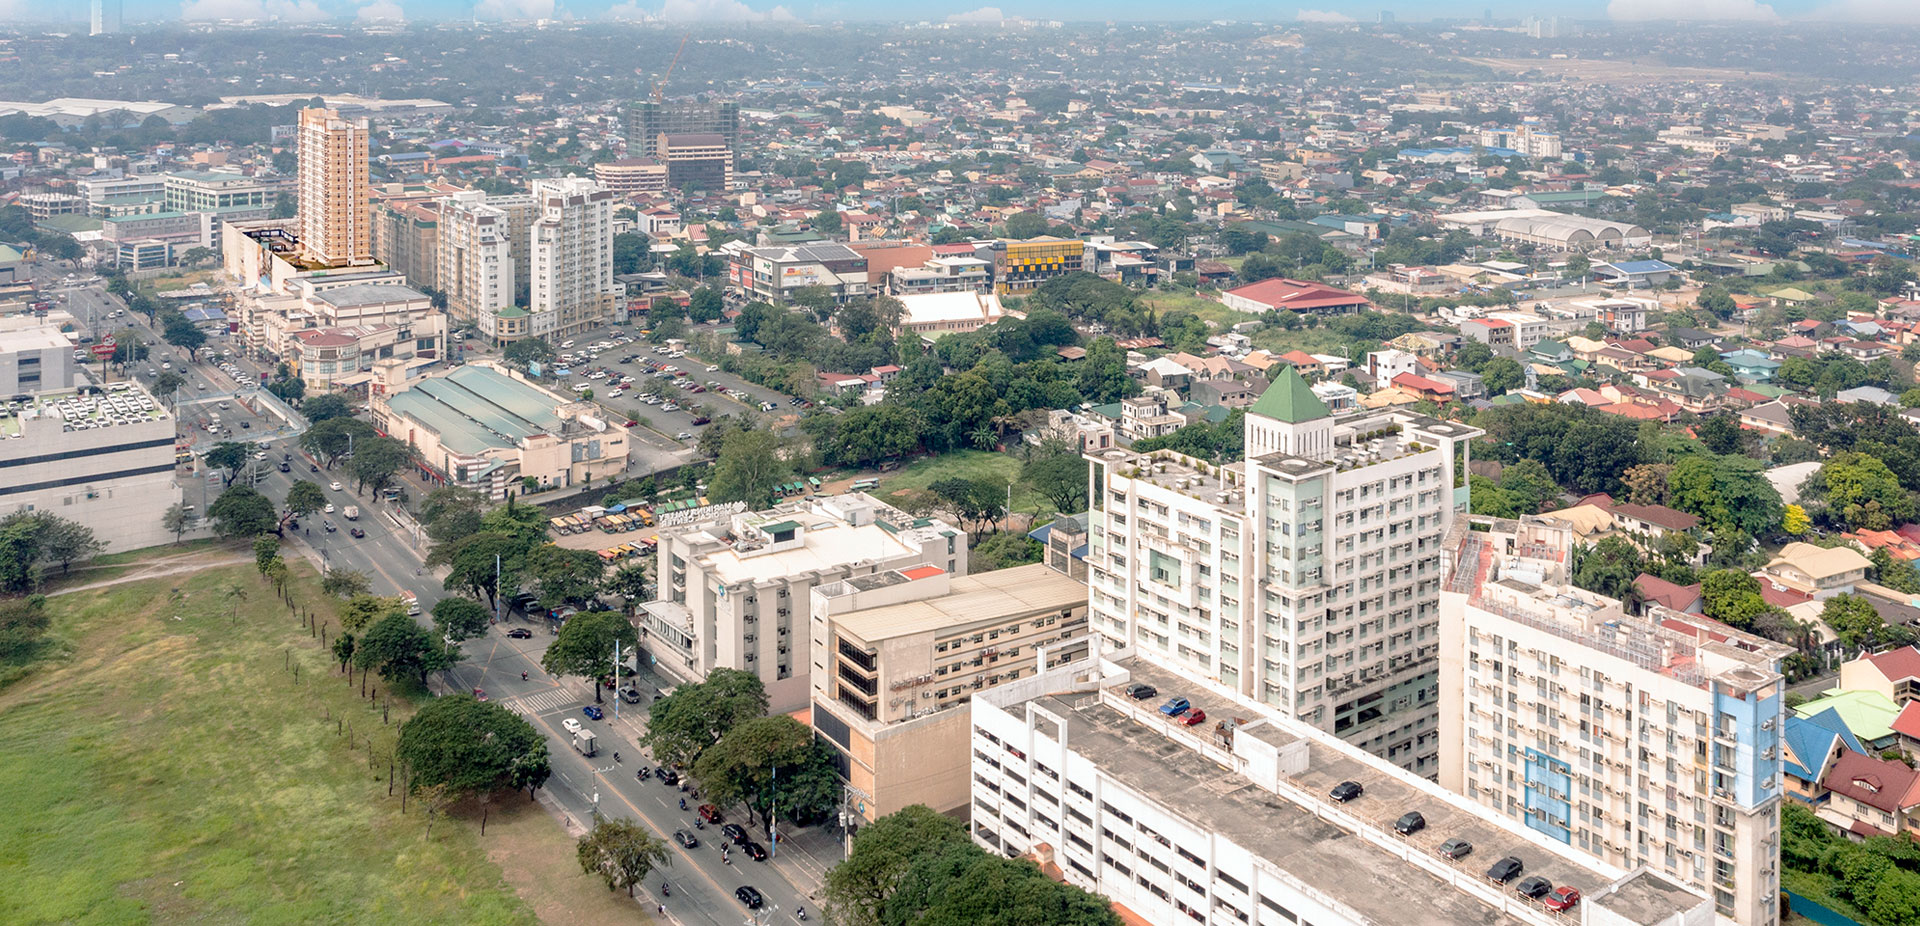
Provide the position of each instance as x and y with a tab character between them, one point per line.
616	679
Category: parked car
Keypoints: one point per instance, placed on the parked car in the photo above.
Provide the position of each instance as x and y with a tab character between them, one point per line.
1194	718
1176	706
702	420
520	633
1141	692
735	833
335	486
1505	870
1534	888
479	694
593	712
1456	849
1562	899
686	840
749	896
755	851
1410	823
1346	791
711	814
630	695
668	776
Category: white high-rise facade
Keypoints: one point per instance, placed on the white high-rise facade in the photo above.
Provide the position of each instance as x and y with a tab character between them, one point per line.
106	17
1645	741
572	245
475	265
1306	577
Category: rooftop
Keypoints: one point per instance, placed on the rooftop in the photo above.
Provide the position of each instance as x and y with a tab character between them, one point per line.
1345	854
359	294
477	408
986	596
81	409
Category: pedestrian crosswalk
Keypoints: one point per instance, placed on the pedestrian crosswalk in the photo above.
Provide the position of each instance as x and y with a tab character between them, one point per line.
539	702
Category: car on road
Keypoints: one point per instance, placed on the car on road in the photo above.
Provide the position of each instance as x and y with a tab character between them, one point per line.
735	833
329	508
713	368
755	851
335	486
1346	791
593	713
520	633
479	694
711	814
329	526
1456	849
1176	706
686	840
1141	692
667	776
570	725
357	533
1562	899
749	896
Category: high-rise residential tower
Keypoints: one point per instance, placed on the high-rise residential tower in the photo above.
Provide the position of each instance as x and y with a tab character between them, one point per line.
106	17
648	120
335	214
572	285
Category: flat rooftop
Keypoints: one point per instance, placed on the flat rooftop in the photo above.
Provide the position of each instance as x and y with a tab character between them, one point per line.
368	294
81	409
969	599
1177	472
1318	841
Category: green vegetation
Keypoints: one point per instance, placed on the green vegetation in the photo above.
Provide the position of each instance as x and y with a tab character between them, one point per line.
1875	881
181	771
904	485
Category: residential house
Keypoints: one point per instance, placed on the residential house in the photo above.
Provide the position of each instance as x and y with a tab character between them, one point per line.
1768	417
1083	433
1432	390
1869	715
1810	747
1750	366
1818	571
1894	673
1146	416
1683	598
1384	365
1689	338
1226	393
1869	796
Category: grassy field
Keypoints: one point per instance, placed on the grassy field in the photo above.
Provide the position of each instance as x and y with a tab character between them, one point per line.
171	767
1312	340
1208	310
961	464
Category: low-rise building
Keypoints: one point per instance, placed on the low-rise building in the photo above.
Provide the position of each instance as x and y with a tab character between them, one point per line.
1293	296
102	457
34	357
778	274
908	649
948	313
628	176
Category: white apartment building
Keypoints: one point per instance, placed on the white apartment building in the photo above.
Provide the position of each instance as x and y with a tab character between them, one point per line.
1230	822
1306	577
572	285
34	357
1694	139
475	265
1529	138
1642	741
735	591
99	456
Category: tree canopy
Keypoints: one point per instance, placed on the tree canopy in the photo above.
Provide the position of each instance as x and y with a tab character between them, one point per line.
472	746
684	724
585	646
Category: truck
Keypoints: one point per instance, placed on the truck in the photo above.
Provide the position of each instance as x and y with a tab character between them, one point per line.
413	603
583	742
351	512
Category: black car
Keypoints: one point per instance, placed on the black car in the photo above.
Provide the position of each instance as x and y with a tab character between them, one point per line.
520	633
329	526
749	896
1141	692
686	840
755	851
357	533
1534	888
1505	870
668	776
286	467
1346	791
736	833
1410	823
1456	849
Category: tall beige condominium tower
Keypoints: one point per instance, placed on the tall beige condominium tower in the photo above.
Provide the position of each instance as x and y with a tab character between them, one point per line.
335	221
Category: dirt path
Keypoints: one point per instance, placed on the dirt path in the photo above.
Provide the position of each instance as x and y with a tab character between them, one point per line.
174	565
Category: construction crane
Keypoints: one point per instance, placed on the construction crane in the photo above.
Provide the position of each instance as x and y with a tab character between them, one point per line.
660	88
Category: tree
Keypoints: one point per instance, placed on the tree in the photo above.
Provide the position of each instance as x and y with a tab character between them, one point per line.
631	582
684	724
742	766
65	542
345	583
176	520
622	853
343	650
748	469
168	383
398	647
1103	373
585	646
460	619
1003	549
242	512
1863	493
1855	621
231	456
565	576
333	437
266	550
377	460
1502	374
1795	522
858	888
963	884
305	498
185	335
1059	476
472	747
528	351
451	512
1732	597
1025	225
23	626
485	563
364	610
1609	566
326	408
972	501
30	540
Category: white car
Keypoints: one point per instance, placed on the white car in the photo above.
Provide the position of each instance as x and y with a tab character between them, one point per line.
329	508
564	345
669	407
570	725
713	368
581	388
616	392
683	435
335	486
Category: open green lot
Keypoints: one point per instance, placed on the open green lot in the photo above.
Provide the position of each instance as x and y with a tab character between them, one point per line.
170	768
1206	309
999	468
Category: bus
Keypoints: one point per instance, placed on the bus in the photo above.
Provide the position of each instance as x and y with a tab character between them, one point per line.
864	485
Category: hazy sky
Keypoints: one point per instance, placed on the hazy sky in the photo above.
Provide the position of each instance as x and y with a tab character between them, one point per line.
1907	11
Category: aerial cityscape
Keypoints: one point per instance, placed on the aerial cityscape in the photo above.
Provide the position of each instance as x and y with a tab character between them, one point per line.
486	462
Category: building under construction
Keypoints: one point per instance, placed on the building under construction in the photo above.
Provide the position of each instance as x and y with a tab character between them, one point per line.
647	120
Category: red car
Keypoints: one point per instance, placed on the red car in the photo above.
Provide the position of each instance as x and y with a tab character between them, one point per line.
479	694
710	813
1563	898
1194	717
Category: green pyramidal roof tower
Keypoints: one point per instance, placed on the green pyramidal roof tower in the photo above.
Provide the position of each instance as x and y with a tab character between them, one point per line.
1290	400
1289	418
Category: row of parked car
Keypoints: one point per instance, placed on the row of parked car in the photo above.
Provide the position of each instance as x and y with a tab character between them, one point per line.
1503	871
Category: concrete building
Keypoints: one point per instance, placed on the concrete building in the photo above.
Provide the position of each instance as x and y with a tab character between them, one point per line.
475	264
1230	821
406	230
106	17
628	176
337	335
1643	741
646	121
571	287
1306	576
1530	138
35	357
776	274
1020	267
210	192
484	428
1545	228
98	456
735	591
696	162
904	651
946	313
334	224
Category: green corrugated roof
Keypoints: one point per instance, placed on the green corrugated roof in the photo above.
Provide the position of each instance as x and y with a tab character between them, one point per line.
780	527
1289	399
1869	714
